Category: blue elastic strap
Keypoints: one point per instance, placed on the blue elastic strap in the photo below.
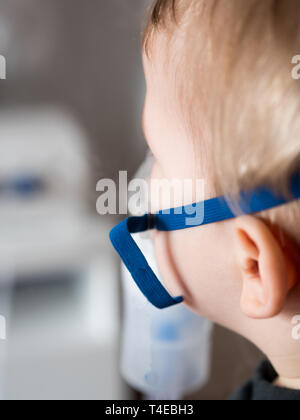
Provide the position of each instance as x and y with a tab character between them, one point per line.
215	210
137	264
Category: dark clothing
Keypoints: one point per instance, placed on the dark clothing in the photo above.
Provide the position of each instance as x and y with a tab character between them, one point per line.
261	387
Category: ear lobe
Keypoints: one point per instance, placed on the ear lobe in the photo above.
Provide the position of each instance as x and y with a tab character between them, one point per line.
264	270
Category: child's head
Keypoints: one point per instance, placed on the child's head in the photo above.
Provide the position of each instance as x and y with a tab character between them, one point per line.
222	105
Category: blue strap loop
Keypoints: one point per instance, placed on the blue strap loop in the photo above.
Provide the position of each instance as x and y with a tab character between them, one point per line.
215	210
137	264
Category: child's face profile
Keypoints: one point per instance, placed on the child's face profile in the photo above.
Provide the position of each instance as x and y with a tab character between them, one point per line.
193	262
235	273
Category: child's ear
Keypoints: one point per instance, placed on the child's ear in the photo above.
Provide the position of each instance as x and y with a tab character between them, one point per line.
267	271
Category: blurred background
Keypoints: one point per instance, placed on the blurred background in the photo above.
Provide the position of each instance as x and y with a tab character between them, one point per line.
69	116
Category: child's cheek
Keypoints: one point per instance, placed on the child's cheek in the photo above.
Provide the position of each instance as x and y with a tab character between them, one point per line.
171	265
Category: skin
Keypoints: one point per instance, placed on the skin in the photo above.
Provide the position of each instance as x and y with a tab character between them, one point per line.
240	274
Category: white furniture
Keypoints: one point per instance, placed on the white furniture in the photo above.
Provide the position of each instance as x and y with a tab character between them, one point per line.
62	336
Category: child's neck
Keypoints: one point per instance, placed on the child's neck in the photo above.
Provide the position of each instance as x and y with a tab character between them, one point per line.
289	383
288	370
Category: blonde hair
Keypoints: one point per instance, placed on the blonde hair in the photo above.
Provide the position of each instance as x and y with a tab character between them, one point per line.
236	58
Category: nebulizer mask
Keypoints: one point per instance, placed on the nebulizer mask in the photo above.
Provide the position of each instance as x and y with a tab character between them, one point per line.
166	353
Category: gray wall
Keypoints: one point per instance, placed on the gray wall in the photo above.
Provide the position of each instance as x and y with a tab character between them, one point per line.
84	55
